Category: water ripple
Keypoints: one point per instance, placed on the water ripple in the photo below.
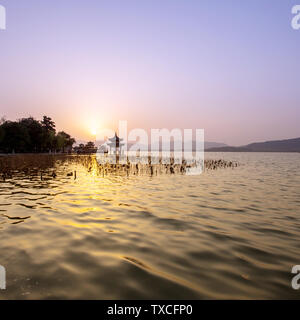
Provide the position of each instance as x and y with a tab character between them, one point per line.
228	234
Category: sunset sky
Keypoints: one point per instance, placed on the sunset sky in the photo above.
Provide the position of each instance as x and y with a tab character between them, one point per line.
229	66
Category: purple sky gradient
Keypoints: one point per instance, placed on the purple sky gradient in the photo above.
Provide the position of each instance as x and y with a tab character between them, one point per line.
229	66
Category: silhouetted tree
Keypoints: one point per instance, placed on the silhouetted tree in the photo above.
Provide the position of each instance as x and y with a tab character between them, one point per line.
35	132
90	145
48	124
15	137
30	135
89	148
64	141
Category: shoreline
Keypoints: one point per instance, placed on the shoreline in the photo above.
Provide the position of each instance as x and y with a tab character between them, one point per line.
90	154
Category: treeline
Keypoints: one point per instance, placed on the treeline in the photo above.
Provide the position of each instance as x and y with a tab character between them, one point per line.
29	135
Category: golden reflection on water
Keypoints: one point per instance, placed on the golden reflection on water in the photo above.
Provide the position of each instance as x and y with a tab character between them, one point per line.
228	233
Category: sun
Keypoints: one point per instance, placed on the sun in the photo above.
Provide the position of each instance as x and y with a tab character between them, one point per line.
93	131
93	127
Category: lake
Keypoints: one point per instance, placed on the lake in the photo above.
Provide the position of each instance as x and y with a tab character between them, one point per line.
230	233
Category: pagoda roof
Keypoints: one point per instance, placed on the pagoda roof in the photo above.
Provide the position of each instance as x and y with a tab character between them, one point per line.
115	138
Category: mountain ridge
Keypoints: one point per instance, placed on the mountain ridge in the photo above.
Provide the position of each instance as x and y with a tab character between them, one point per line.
286	145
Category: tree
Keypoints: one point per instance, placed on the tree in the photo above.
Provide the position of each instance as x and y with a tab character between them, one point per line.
30	135
48	124
49	132
15	137
34	130
90	145
64	141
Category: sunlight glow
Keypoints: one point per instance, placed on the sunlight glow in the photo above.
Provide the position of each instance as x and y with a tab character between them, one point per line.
93	131
93	127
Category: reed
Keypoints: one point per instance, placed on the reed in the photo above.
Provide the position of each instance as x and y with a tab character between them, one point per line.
46	166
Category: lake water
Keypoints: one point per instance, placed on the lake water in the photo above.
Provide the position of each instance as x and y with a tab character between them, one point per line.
230	233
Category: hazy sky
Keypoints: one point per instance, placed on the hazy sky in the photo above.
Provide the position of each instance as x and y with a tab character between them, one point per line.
229	66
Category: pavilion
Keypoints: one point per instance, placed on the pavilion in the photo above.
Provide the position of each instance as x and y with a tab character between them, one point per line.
115	145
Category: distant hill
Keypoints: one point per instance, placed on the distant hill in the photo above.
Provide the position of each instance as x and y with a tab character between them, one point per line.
209	145
289	145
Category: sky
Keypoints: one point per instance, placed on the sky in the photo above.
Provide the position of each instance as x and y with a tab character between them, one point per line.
230	67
